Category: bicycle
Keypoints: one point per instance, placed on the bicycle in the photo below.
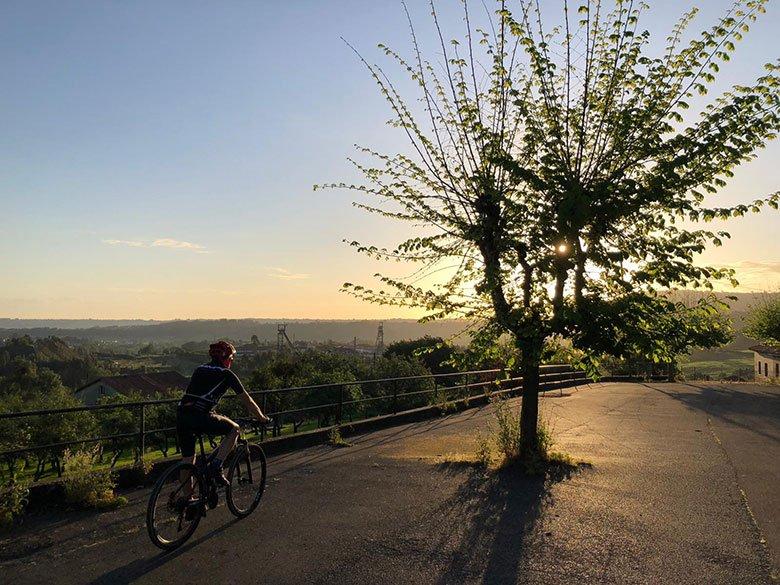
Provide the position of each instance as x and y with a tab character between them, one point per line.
184	491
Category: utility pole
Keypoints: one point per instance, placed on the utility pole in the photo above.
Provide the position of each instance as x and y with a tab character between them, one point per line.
282	341
380	340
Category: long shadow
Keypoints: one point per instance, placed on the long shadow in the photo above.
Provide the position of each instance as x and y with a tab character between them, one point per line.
366	441
140	567
725	403
505	509
483	530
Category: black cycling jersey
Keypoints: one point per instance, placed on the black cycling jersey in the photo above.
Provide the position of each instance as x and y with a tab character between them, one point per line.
208	384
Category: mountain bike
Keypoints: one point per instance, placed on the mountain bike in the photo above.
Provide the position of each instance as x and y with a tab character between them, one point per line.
185	491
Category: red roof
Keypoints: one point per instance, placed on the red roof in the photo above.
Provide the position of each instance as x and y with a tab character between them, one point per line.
144	384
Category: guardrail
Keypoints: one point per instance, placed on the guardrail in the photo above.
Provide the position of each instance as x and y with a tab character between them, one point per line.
341	401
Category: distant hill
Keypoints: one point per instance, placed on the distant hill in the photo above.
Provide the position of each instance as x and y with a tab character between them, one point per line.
343	331
179	332
18	324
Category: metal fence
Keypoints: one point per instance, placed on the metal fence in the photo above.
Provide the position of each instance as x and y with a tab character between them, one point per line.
292	410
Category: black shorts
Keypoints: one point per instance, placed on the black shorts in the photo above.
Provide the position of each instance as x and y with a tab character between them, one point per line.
191	422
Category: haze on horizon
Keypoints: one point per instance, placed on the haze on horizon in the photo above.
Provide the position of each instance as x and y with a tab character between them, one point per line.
158	158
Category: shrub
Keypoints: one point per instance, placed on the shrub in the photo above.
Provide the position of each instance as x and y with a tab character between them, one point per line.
87	487
13	501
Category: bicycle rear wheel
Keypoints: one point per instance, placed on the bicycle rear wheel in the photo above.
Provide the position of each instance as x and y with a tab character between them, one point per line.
246	474
175	506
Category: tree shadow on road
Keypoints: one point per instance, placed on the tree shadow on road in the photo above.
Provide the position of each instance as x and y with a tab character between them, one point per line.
726	403
485	531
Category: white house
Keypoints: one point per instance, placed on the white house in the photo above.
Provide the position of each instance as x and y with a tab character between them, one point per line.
766	361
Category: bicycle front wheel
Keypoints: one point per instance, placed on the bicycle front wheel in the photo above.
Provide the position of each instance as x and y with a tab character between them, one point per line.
175	506
246	474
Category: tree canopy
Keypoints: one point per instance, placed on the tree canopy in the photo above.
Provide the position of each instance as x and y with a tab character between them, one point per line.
558	178
763	321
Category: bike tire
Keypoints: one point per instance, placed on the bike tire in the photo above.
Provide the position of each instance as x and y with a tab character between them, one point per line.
168	479
248	463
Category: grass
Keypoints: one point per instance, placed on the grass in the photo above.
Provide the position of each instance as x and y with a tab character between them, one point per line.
735	363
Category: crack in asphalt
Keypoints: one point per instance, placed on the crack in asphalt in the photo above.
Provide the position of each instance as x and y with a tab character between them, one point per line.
772	573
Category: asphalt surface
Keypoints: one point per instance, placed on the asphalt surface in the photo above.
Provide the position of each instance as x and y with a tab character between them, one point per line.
683	488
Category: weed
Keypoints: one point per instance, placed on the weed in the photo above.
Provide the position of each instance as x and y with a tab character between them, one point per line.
335	439
484	451
86	487
506	436
448	407
13	501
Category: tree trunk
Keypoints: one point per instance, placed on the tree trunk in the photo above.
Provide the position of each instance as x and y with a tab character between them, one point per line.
529	411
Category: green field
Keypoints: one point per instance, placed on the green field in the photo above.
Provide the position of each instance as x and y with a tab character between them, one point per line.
719	364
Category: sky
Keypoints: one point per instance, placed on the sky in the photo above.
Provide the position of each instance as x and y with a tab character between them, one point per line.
157	158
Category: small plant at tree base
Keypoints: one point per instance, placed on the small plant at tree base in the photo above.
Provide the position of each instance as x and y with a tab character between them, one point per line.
335	439
484	451
86	487
13	501
508	440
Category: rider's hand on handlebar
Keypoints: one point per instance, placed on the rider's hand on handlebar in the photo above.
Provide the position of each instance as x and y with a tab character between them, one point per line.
264	419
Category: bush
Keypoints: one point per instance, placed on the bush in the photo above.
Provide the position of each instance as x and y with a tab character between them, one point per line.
86	487
13	501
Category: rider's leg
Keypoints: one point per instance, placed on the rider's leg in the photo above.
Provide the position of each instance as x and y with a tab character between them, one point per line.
184	475
227	444
224	426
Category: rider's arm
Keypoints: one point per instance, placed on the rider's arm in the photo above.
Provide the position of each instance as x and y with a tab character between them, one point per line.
252	407
250	404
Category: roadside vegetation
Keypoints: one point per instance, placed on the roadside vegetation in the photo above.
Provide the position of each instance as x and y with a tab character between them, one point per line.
86	487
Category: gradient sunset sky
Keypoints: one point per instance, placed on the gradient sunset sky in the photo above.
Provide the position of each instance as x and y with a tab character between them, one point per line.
157	158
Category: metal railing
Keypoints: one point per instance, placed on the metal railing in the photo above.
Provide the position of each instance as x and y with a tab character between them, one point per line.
353	400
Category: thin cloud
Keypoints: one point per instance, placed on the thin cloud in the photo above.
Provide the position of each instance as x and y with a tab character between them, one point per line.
284	274
177	244
159	243
129	243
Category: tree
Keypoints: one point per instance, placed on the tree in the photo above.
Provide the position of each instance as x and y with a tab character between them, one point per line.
558	187
434	352
763	321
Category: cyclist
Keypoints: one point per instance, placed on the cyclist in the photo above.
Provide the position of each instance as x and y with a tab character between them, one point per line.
195	413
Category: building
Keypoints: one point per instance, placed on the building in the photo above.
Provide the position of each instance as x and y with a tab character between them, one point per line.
766	361
147	385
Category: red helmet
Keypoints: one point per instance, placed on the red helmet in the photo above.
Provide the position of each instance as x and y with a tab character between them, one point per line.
221	350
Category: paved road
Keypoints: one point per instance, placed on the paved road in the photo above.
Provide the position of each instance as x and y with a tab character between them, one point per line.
683	489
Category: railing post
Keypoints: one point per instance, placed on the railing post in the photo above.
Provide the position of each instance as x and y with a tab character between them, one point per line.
263	407
339	412
142	433
395	397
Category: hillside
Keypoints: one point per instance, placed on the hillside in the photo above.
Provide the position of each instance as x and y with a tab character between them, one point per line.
177	332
